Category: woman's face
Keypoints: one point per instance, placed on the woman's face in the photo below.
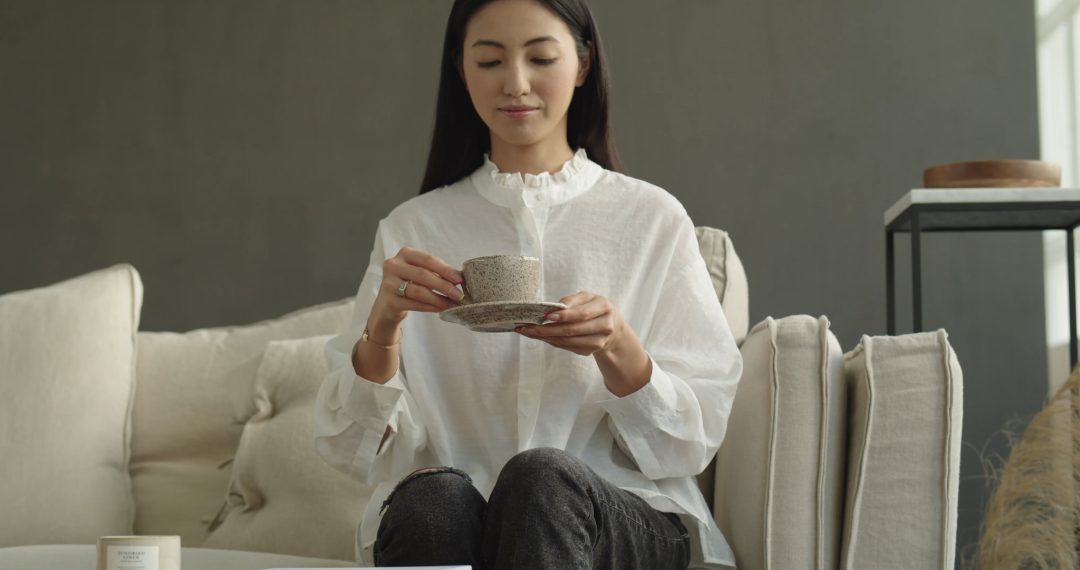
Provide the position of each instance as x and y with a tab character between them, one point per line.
520	66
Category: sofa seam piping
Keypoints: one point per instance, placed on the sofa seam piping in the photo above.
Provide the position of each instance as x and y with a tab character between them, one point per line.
823	448
129	431
770	468
860	470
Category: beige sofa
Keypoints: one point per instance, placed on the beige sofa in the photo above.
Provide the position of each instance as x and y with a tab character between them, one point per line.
831	460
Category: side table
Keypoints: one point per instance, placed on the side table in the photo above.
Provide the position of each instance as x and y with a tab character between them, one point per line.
979	210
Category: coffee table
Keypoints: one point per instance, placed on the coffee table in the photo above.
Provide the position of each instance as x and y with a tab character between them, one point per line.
84	557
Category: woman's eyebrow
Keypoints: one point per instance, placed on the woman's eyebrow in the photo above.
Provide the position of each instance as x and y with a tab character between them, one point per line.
499	45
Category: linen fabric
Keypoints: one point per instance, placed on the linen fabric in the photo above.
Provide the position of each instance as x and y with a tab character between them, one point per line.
729	282
472	401
67	354
282	497
780	472
906	418
728	277
193	399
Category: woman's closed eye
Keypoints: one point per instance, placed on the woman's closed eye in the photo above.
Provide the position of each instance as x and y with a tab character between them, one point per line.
538	61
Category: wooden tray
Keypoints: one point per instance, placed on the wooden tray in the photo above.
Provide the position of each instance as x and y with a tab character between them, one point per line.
993	174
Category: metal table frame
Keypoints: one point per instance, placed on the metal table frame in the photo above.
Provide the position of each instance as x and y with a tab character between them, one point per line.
912	220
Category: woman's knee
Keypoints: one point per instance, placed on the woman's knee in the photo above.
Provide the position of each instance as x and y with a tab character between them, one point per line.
432	495
544	462
545	471
431	515
545	485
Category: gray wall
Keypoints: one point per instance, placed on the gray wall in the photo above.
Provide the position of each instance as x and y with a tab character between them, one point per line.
239	154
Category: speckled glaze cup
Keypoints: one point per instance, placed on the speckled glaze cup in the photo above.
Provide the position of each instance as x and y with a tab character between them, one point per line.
506	278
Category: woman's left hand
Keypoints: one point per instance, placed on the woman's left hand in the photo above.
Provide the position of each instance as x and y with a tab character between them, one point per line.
592	325
588	325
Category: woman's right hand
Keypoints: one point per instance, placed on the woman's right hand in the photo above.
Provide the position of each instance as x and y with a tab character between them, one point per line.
432	285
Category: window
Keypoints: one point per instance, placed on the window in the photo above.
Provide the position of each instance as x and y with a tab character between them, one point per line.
1058	23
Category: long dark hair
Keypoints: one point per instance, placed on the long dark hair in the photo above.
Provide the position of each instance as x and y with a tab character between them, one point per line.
461	138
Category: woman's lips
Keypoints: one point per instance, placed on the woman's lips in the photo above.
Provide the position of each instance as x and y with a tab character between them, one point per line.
517	112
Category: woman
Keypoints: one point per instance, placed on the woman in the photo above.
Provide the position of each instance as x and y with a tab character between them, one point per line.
567	445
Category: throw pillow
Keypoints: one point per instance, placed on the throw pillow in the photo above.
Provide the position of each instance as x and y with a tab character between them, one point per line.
193	398
67	354
282	496
779	475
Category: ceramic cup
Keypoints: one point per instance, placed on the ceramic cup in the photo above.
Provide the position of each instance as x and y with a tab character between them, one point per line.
507	278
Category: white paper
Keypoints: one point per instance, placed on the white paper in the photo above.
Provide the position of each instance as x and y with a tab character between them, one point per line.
131	558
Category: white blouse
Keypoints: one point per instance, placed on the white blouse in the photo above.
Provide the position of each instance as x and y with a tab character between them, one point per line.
474	400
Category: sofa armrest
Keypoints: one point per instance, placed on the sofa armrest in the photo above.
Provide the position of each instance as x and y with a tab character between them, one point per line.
780	470
906	395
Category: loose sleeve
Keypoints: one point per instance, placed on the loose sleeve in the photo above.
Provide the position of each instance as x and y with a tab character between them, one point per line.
673	426
352	413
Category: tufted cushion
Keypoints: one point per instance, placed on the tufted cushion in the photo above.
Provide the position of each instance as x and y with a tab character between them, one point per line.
193	397
906	416
66	381
779	478
282	496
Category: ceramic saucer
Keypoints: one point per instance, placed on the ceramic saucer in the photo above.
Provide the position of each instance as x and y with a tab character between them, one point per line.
499	316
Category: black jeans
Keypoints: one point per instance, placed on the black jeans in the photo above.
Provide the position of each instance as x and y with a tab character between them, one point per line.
548	510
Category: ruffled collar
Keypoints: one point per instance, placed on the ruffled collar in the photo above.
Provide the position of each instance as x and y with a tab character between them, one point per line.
513	188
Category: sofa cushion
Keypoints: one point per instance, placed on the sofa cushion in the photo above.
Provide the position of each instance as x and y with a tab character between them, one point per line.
282	496
779	476
84	557
906	414
728	277
193	398
67	353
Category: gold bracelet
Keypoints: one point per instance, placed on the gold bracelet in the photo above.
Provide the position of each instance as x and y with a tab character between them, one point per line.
365	337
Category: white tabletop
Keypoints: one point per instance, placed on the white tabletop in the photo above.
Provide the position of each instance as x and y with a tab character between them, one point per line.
84	557
971	196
